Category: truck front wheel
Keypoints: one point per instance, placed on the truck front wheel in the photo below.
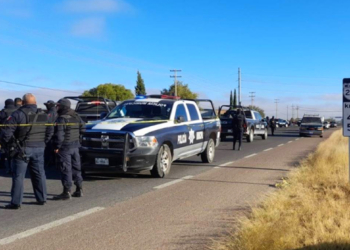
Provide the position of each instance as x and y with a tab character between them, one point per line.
209	153
250	136
163	162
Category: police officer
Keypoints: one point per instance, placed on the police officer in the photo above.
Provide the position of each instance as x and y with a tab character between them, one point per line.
273	125
49	150
66	142
267	123
27	132
4	114
18	102
238	124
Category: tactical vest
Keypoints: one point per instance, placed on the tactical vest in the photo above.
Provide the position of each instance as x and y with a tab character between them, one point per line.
36	132
238	121
72	128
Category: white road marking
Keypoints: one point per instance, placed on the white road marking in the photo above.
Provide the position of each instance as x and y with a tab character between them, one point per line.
250	155
173	182
50	225
297	139
217	167
290	141
268	149
226	164
280	145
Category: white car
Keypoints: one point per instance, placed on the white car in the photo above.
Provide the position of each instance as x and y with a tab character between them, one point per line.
326	125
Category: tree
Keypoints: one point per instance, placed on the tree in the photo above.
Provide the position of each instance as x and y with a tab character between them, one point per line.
231	100
111	91
235	99
182	90
140	85
256	108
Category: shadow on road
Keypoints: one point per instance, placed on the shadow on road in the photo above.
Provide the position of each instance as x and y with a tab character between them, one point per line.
327	246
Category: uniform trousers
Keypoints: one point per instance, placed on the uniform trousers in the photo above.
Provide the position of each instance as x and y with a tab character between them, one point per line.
35	164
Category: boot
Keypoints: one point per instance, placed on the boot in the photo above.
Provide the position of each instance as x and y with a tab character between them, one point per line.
65	195
239	148
78	192
234	146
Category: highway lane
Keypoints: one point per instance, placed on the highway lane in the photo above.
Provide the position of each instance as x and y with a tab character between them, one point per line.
107	190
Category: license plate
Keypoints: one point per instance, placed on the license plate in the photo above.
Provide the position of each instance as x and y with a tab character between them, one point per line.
311	132
102	161
230	130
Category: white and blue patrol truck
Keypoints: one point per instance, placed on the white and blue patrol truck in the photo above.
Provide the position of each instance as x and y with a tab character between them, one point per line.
149	133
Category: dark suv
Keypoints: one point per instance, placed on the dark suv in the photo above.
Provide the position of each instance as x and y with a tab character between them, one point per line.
92	108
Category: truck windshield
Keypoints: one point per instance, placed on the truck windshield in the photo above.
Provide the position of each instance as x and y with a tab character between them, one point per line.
311	120
142	110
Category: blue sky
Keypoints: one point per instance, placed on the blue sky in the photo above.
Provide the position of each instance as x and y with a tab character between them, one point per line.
296	51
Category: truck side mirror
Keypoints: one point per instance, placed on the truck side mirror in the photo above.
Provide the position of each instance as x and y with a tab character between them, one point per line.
180	119
103	115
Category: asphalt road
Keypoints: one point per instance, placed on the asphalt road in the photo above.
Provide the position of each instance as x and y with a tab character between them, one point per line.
107	190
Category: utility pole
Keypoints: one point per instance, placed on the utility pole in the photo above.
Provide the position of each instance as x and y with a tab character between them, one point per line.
239	87
297	112
175	76
276	101
252	96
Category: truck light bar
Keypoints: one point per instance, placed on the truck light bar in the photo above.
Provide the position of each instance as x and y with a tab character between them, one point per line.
158	96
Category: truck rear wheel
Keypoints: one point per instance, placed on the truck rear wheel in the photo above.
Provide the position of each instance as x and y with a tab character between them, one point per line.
250	136
163	162
223	137
209	153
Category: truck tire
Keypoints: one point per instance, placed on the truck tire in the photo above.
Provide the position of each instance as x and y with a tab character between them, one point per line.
264	136
209	153
250	136
163	162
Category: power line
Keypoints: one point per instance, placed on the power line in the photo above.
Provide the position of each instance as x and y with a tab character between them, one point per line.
252	96
277	101
38	87
175	76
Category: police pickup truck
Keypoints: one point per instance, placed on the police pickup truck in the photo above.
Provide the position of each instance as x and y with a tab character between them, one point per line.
256	125
149	133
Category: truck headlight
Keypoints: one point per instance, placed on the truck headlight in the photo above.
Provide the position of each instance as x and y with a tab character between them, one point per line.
146	141
320	128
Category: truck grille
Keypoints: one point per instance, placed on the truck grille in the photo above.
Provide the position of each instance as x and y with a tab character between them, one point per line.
98	140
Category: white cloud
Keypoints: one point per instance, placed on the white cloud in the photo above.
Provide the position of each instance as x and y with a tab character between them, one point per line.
89	27
96	6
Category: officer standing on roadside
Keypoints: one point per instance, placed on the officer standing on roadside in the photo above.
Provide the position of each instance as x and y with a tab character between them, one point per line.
4	114
238	124
27	133
49	150
273	125
66	142
18	102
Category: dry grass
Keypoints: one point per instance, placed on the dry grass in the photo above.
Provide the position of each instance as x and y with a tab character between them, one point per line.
311	211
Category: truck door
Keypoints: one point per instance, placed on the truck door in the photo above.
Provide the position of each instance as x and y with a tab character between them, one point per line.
181	131
260	126
196	129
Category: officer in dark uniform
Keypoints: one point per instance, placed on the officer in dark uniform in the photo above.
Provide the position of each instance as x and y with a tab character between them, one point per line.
4	114
49	150
66	142
238	124
27	133
18	102
273	125
267	123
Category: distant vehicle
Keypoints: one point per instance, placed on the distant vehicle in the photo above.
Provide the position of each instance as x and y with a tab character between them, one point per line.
334	125
326	125
311	125
282	123
256	125
93	108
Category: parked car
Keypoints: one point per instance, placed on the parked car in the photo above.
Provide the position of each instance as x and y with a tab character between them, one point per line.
311	125
334	124
282	123
326	125
149	133
92	108
256	125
